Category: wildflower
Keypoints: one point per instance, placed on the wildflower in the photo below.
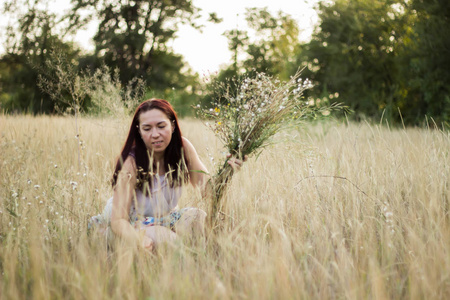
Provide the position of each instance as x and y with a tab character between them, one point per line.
259	108
37	186
74	185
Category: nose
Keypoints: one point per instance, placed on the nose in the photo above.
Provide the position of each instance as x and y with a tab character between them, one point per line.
154	132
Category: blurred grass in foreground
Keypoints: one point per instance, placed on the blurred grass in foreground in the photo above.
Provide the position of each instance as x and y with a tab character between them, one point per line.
339	211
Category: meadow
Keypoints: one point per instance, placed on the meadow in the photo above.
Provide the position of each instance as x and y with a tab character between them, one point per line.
334	210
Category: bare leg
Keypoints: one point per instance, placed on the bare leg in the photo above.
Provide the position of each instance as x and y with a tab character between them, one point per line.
159	235
192	223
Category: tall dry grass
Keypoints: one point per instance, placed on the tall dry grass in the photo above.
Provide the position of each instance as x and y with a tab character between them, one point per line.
338	211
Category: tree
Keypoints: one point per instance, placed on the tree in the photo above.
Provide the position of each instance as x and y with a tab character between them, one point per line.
268	48
133	36
276	38
428	60
354	54
28	46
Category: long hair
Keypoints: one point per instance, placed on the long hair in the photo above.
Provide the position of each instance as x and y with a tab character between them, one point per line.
175	162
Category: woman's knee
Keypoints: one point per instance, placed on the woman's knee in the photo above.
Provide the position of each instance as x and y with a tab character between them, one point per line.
195	215
160	234
192	219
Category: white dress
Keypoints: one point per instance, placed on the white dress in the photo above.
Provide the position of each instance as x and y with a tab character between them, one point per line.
153	209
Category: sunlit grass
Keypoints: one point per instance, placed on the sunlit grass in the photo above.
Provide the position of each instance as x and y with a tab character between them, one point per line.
337	211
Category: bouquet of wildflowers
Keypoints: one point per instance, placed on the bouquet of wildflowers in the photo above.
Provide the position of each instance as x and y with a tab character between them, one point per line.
247	119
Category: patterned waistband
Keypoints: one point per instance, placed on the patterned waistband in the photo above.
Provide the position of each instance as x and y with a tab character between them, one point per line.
166	221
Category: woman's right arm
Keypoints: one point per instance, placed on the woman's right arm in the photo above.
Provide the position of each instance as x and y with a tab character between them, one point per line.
122	199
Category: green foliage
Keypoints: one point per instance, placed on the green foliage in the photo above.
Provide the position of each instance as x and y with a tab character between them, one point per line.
377	57
100	92
354	54
428	60
28	44
269	48
133	37
380	57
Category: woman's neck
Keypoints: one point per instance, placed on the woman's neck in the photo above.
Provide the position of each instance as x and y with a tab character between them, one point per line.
158	164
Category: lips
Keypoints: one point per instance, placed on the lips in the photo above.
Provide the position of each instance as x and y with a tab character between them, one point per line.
158	143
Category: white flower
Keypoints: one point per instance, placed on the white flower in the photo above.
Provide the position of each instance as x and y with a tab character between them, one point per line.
37	186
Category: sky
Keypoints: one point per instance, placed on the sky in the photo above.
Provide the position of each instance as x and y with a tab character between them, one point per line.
206	51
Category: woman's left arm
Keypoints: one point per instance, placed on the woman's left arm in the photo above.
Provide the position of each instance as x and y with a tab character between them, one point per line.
197	170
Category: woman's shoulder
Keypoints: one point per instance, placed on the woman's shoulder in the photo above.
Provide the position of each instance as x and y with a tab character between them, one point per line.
189	149
186	143
129	165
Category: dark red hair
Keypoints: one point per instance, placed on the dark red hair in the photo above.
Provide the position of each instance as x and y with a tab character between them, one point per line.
175	162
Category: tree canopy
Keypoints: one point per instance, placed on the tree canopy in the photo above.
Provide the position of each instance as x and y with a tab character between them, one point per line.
133	36
383	56
378	57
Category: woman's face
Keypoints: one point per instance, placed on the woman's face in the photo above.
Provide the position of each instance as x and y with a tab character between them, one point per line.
156	130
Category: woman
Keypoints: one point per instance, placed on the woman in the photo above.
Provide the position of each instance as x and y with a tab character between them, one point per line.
154	164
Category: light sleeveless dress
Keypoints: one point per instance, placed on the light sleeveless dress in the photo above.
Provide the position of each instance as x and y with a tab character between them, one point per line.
160	207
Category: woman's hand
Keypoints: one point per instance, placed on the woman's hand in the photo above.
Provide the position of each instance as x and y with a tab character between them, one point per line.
147	243
235	163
